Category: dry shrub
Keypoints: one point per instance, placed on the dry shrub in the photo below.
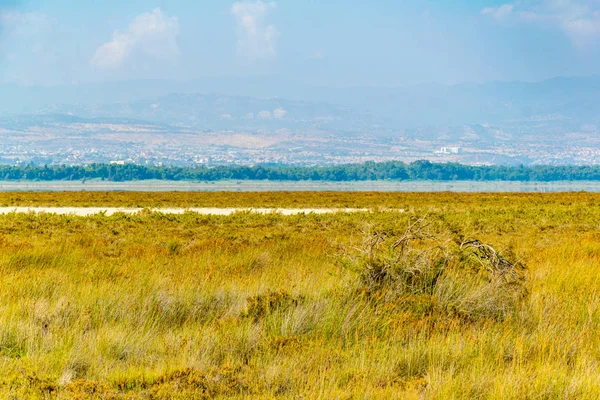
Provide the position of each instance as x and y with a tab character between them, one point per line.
284	344
24	384
188	383
411	263
469	279
182	384
259	306
86	389
482	283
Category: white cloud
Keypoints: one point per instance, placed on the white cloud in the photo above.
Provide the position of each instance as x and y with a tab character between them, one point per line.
499	12
15	23
582	30
265	115
256	39
279	113
578	19
152	34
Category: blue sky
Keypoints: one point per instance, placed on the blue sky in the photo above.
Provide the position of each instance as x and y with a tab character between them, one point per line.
325	43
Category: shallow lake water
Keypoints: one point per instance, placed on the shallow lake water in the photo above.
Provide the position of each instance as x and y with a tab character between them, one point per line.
273	186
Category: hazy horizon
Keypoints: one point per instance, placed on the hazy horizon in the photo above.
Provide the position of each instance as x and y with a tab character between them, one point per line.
277	78
182	82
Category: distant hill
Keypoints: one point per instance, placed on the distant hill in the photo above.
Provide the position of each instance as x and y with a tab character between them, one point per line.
217	111
572	99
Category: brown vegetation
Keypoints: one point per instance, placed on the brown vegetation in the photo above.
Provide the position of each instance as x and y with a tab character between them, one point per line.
362	305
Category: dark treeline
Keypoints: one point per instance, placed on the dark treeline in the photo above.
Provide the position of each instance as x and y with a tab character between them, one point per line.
394	170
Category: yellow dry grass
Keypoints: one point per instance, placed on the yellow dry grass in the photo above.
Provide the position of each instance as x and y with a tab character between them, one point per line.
156	306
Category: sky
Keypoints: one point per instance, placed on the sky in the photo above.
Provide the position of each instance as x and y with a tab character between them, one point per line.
337	43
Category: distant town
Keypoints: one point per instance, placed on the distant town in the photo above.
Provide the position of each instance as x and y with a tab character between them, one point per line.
493	124
76	144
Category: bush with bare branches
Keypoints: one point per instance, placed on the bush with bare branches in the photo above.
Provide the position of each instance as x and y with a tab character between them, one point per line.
466	278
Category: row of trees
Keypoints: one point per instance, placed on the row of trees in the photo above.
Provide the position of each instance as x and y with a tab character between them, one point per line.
394	170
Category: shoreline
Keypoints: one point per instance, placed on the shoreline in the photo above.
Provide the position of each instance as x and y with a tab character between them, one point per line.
302	186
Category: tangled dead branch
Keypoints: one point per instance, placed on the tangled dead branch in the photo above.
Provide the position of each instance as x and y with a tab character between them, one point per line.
470	278
411	263
493	261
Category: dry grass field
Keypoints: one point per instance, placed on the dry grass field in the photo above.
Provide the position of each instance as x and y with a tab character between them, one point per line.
376	305
417	201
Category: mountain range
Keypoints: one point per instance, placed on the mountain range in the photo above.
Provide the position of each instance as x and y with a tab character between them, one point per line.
273	121
234	103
